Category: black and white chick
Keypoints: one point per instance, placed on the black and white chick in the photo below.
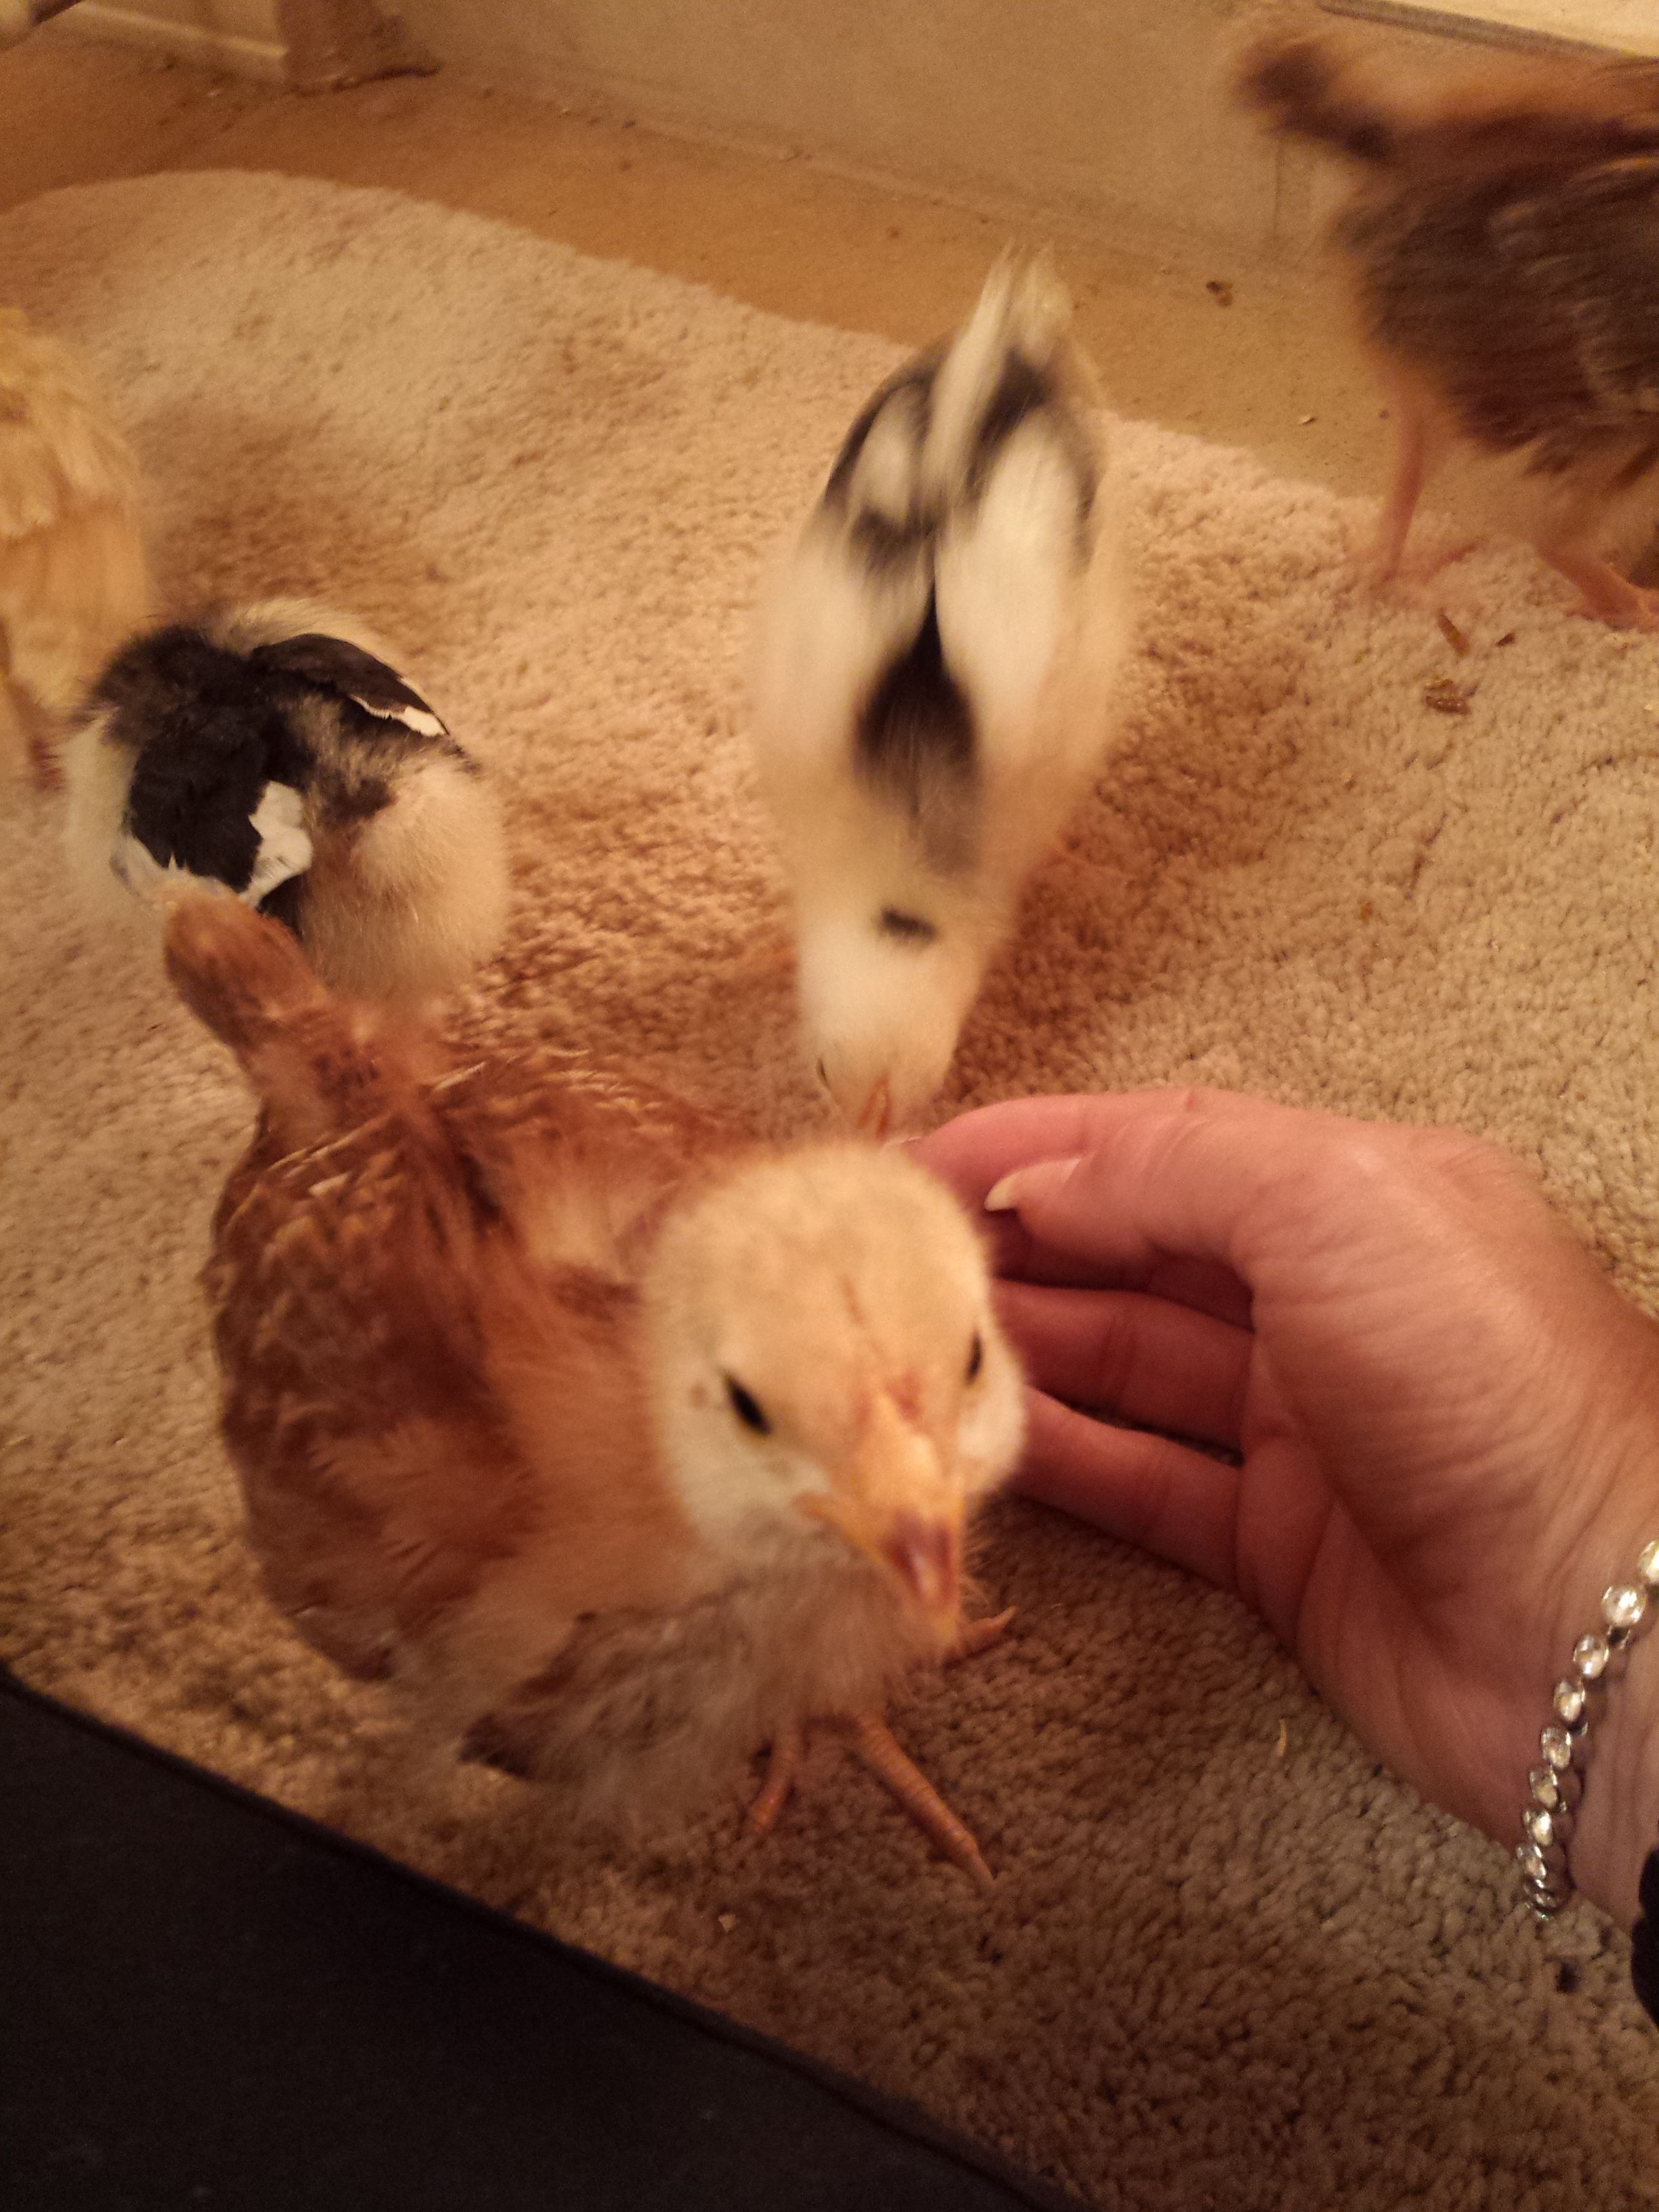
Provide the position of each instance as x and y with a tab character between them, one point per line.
275	750
933	683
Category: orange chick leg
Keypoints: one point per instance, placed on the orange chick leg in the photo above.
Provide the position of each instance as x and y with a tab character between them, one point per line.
1405	490
878	1748
1419	445
17	745
43	762
782	1765
28	735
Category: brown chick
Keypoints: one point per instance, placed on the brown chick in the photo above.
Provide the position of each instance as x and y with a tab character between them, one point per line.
1501	237
620	1446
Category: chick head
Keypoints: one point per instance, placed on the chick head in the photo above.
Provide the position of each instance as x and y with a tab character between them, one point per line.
826	1367
884	993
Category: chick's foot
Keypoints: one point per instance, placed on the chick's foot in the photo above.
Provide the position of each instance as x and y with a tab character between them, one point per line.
881	1752
870	1737
876	1745
1608	596
979	1636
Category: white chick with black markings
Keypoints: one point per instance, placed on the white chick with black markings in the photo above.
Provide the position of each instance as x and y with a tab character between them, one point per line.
274	750
935	676
74	580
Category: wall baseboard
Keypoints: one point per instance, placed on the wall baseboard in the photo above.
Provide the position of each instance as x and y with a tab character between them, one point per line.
227	51
1617	26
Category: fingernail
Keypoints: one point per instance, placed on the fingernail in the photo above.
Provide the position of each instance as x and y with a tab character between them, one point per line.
1003	1197
1028	1182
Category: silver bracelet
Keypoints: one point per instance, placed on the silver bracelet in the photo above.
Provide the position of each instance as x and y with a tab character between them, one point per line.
1557	1785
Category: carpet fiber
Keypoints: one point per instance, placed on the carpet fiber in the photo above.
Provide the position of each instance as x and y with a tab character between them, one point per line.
1228	1963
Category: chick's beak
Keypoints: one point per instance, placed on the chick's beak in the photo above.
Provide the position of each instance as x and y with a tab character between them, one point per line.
896	1509
921	1551
877	1113
925	1555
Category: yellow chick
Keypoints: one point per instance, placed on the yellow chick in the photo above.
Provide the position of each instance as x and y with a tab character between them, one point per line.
622	1446
74	581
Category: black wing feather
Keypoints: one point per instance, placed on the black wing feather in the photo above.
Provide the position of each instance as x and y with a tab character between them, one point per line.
352	675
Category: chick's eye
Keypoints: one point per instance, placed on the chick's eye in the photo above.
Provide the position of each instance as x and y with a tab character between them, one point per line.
747	1407
976	1355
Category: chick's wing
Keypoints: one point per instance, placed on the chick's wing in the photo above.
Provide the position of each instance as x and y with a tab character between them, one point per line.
1589	246
422	1329
346	1286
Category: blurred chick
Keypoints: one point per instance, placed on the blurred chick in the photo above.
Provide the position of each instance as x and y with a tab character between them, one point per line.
622	1446
933	686
1502	237
275	750
73	577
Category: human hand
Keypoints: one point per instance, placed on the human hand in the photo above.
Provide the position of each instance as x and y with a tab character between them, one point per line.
1447	1417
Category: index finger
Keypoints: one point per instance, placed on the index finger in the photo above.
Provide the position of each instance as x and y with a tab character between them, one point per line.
1122	1186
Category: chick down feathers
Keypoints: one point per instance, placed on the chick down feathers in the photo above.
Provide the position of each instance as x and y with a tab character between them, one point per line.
74	581
616	1444
933	678
275	751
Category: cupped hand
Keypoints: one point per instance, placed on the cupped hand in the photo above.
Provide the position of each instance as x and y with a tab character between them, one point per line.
1440	1418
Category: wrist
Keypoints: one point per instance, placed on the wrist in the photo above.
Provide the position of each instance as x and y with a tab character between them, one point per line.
1617	1821
1606	1527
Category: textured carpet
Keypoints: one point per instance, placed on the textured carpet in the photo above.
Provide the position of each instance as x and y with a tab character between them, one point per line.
1228	1963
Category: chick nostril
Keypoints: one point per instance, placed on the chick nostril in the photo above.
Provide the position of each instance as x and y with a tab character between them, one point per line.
822	1075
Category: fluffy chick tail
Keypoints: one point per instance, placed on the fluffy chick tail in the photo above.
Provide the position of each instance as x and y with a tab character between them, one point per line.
1311	81
923	607
319	1066
1303	81
1012	467
920	452
1014	351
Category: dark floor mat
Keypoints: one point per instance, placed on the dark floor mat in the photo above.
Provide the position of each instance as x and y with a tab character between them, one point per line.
206	2002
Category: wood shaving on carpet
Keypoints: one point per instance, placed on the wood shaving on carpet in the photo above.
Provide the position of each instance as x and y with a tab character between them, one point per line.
1228	1961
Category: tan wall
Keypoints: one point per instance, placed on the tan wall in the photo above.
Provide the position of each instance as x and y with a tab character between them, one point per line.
1100	115
1100	111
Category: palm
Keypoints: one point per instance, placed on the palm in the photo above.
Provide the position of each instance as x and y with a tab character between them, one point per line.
1382	1615
1361	1377
1426	1683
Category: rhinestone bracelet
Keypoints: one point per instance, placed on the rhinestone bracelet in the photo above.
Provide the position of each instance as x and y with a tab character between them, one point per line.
1557	1785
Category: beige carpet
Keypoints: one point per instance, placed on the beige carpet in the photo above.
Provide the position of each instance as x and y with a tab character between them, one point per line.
1228	1964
